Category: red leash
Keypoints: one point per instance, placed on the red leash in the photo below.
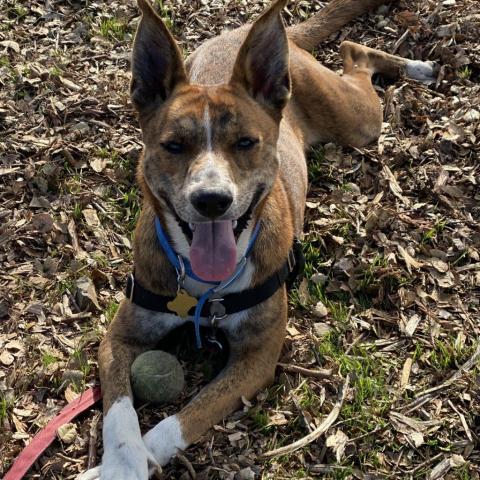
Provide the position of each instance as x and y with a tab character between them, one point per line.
46	436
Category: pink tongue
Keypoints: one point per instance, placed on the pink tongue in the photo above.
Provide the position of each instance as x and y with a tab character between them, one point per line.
213	253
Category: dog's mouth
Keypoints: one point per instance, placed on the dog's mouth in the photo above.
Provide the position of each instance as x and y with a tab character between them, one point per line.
213	244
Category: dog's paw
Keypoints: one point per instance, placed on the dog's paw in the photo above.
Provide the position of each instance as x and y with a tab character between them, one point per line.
126	461
425	72
165	439
125	456
92	474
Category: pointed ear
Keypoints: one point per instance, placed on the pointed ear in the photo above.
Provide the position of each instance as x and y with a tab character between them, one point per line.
261	66
157	64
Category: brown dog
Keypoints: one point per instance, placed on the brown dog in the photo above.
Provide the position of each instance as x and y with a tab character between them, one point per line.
224	180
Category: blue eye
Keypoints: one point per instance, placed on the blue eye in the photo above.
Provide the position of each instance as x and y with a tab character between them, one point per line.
246	143
173	147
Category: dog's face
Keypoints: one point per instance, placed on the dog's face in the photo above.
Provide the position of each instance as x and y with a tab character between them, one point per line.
210	151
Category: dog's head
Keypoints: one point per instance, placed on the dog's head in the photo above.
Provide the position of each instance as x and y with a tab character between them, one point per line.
210	154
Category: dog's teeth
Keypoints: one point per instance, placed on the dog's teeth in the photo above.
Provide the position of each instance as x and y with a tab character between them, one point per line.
234	224
192	226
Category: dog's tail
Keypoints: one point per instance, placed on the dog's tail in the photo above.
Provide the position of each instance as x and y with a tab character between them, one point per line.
332	17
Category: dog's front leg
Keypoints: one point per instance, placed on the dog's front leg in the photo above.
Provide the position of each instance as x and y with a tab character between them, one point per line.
125	456
251	367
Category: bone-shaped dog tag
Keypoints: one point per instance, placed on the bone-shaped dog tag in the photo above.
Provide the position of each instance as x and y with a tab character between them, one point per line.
182	303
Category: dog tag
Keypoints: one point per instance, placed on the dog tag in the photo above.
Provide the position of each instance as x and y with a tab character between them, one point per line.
182	303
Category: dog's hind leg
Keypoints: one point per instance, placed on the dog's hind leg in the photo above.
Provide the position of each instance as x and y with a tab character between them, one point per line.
359	58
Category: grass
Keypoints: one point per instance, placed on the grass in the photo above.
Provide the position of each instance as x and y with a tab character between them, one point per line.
5	406
113	29
130	207
16	11
116	160
111	311
165	14
371	399
48	359
449	354
430	235
55	71
464	73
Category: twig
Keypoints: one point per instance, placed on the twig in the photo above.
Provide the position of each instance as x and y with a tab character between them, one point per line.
325	468
431	393
297	404
318	373
76	316
400	41
92	443
322	428
425	463
468	365
183	459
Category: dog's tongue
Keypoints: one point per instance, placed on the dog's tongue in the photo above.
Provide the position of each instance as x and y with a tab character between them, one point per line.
213	253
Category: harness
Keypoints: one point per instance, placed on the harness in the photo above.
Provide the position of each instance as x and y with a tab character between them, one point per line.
212	304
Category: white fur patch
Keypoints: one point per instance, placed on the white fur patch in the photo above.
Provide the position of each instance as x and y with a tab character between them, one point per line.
421	71
165	439
208	131
125	456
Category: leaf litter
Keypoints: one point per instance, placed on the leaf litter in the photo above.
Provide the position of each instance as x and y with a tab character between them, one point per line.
392	245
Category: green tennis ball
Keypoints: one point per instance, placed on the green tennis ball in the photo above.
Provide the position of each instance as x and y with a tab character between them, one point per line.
157	377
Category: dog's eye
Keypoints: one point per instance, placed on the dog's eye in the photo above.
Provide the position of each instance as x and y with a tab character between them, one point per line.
246	143
173	147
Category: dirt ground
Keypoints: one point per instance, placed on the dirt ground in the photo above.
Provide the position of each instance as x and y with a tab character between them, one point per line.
390	296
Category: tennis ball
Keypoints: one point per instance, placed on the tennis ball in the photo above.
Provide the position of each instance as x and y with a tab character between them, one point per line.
157	377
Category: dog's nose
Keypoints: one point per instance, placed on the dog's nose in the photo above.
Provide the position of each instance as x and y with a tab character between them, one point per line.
211	204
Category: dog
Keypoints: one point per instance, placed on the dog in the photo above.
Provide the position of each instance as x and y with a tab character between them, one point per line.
224	182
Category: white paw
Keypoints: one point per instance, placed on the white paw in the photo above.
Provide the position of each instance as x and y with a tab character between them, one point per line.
125	456
165	439
425	72
127	460
92	474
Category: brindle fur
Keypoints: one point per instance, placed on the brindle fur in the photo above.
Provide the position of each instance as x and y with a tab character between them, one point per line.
246	78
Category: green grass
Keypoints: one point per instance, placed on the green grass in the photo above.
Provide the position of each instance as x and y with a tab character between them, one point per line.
340	474
430	235
464	73
16	11
165	14
370	275
371	399
448	354
316	164
312	250
48	359
261	421
116	160
55	71
111	311
130	207
113	29
464	473
5	406
77	211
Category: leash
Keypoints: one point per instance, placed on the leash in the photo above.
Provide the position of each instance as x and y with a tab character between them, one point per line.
210	304
45	437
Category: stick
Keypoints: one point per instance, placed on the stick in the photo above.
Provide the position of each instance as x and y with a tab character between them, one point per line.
322	428
322	373
92	444
188	465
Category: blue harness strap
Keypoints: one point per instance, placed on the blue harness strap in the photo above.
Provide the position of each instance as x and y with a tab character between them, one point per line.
179	263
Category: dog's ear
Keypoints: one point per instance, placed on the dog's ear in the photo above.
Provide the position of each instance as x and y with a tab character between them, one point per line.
157	64
262	62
